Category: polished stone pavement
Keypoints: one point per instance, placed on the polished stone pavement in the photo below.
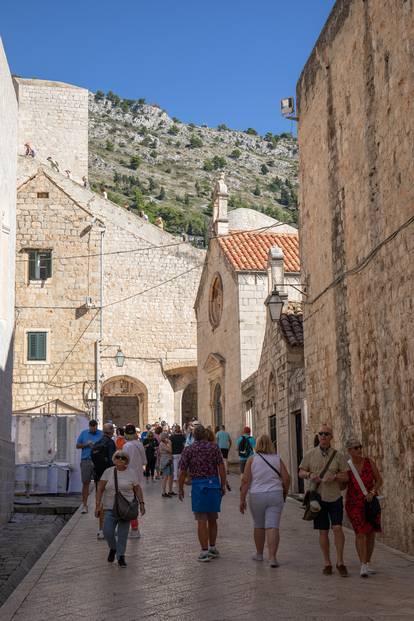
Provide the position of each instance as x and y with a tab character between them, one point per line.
73	581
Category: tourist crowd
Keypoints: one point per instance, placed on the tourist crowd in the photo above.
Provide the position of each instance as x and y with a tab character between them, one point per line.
198	457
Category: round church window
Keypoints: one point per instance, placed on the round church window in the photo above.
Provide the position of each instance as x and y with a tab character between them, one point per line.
216	301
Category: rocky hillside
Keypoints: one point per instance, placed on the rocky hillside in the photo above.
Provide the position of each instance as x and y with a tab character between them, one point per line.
149	161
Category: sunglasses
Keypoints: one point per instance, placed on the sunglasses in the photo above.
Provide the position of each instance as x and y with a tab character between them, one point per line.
121	458
325	434
359	446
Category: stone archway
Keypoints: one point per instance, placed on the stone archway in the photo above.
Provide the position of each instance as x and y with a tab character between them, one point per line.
189	403
125	400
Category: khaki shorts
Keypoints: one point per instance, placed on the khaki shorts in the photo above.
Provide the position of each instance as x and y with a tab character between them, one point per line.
86	467
211	515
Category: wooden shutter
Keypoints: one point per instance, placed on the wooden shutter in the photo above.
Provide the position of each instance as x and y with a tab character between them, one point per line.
32	265
36	345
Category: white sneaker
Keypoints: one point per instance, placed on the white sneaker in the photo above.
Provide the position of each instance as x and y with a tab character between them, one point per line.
370	570
257	557
84	509
364	571
100	535
273	563
134	534
204	557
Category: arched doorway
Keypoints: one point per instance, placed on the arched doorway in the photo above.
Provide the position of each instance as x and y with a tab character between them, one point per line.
189	403
217	406
125	400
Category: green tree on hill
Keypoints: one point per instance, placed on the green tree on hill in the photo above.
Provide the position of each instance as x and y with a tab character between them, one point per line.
135	162
195	142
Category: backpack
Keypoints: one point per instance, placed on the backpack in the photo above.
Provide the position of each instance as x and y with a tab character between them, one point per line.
99	455
245	448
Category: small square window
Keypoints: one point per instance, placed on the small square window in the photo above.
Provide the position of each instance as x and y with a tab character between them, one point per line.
43	195
36	345
40	264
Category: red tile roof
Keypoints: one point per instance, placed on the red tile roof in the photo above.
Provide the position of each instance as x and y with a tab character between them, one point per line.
249	251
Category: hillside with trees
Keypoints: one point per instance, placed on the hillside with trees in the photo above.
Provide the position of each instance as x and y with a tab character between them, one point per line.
147	161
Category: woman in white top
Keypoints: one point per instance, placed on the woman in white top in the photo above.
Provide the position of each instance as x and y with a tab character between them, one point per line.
116	530
267	481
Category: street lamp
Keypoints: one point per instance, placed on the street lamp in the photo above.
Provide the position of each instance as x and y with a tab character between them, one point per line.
119	358
275	302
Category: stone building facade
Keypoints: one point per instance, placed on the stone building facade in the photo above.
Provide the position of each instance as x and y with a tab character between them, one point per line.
231	315
354	106
279	389
66	234
8	141
53	118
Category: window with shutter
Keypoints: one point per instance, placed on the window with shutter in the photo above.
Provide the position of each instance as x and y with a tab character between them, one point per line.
36	345
40	264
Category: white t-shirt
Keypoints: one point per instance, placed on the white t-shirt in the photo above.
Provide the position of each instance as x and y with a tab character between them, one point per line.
264	479
137	458
126	481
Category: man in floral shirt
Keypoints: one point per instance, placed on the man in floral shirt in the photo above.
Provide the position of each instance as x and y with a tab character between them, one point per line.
203	462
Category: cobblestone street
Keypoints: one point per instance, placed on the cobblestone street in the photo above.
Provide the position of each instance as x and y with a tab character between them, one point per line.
164	580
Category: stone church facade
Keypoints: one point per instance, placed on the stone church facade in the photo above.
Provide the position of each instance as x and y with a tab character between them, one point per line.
356	197
230	310
69	239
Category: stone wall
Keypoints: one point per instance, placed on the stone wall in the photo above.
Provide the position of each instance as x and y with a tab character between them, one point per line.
8	141
148	299
354	100
53	117
280	392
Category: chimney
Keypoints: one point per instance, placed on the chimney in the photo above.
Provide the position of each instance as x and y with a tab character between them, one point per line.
220	223
276	270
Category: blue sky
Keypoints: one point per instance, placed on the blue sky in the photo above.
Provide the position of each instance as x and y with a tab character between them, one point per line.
211	61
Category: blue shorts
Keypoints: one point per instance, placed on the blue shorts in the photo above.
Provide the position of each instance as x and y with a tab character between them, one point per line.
331	514
167	470
206	495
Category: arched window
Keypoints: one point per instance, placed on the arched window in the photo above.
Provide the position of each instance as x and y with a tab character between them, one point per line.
216	301
217	406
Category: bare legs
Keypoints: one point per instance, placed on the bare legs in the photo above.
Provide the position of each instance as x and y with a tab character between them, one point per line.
271	536
207	533
259	539
85	493
339	540
364	544
167	481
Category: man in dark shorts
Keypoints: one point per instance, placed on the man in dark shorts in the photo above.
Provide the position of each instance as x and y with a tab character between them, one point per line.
331	513
203	462
87	438
223	440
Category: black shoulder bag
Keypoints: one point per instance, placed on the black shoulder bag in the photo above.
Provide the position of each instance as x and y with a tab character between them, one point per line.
310	496
124	509
277	472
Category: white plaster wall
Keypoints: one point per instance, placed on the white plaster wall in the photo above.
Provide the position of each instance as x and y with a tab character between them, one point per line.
8	139
53	117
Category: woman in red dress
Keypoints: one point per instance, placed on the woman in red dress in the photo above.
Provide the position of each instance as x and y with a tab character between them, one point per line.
355	504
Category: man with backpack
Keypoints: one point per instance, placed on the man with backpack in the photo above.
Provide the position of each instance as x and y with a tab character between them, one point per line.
87	439
245	446
101	455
